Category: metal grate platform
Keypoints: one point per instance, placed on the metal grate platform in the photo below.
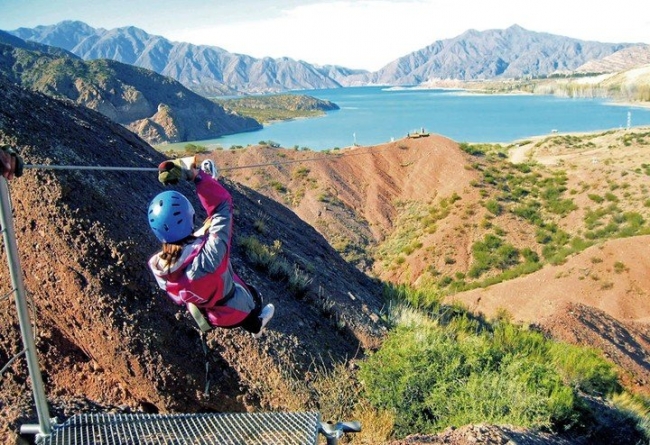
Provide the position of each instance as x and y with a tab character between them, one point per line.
186	429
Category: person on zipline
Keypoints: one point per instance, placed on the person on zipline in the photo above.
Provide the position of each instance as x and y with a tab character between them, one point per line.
194	268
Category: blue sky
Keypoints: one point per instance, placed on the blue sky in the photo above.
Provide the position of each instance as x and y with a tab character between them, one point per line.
364	34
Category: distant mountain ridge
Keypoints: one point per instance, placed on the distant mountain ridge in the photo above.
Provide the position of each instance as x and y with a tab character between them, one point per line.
157	108
510	53
208	70
212	71
625	59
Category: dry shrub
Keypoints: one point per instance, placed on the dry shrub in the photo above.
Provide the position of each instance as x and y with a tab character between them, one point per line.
339	399
336	391
376	426
276	385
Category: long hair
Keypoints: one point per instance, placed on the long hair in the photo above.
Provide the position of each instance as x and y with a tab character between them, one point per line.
171	252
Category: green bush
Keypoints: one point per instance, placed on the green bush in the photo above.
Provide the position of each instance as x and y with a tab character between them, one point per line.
494	207
278	186
195	149
561	206
492	253
434	377
529	211
449	368
270	259
473	150
584	369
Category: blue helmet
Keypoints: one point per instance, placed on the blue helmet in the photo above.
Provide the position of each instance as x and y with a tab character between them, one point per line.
171	216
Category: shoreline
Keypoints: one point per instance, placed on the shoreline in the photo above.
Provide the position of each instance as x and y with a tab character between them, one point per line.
567	133
519	153
644	105
275	131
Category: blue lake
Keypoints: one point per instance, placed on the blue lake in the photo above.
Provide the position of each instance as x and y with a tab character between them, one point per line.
374	115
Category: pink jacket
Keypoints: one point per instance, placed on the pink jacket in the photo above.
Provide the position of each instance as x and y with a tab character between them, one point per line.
203	274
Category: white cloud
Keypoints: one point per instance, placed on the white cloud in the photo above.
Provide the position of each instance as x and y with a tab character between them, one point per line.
352	34
371	33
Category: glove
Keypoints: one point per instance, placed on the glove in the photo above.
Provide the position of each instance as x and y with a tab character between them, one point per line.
170	172
6	169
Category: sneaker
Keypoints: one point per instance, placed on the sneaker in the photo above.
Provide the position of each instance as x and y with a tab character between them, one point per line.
265	316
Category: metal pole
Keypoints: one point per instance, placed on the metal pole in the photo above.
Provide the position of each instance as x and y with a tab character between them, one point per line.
334	432
9	235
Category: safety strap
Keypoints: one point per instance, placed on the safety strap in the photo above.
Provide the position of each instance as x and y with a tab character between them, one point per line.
207	363
198	317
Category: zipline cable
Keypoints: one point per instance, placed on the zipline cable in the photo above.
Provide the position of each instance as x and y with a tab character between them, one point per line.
88	167
13	359
155	169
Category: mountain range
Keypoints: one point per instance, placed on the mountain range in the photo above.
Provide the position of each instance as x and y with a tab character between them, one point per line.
212	71
157	108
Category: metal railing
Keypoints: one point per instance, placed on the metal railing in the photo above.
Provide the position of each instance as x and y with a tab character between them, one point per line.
18	288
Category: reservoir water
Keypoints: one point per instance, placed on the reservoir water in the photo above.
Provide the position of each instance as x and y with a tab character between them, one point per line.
374	115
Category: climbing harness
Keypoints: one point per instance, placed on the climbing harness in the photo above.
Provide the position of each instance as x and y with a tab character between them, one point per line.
206	354
197	315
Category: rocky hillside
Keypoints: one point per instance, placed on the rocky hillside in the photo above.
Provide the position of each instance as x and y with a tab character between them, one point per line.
631	86
509	53
356	197
157	108
11	40
623	60
423	212
107	337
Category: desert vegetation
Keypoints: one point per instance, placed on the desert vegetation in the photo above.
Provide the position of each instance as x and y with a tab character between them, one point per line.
441	366
540	198
271	260
269	108
619	87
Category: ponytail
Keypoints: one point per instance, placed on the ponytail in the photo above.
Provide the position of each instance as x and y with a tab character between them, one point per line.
171	252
